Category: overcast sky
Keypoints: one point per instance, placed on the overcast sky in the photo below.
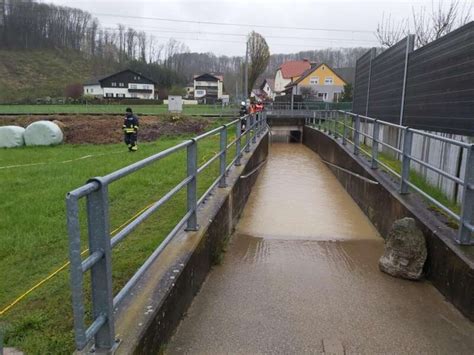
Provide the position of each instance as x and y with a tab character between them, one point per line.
333	23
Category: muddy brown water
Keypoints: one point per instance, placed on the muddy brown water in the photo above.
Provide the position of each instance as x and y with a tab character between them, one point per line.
301	271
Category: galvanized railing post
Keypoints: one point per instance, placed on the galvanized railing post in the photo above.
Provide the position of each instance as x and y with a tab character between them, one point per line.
405	174
223	157
255	122
466	222
248	128
77	275
356	135
192	186
328	121
375	146
319	120
344	129
101	272
334	113
314	119
238	134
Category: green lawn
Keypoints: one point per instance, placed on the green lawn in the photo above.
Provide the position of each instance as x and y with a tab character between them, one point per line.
33	238
111	109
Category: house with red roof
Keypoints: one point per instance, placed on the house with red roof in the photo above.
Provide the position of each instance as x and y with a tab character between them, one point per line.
288	72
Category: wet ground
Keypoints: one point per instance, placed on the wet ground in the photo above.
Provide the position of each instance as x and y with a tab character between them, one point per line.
301	271
104	129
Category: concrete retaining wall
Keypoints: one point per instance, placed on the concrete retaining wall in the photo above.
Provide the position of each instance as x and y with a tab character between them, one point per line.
148	317
450	267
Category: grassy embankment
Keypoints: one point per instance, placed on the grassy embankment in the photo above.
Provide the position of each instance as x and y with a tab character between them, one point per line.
33	238
111	109
38	73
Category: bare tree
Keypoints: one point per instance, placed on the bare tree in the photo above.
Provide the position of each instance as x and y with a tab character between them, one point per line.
390	32
142	46
259	56
426	25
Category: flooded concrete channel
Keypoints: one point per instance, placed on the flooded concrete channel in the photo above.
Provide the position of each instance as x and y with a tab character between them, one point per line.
300	275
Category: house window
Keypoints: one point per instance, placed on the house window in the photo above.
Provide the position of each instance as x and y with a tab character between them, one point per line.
328	80
114	84
323	95
121	84
109	94
314	80
134	94
133	86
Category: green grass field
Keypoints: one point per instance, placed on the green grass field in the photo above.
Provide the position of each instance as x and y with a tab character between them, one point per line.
33	238
112	109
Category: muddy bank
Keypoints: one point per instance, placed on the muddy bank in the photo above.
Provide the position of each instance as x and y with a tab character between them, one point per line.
108	128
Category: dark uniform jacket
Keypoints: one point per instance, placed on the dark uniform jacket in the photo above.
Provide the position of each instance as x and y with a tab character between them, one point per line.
130	124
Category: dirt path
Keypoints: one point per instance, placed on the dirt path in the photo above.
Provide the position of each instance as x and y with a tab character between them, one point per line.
108	128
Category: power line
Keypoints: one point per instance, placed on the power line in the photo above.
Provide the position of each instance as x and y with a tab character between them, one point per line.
170	30
231	24
232	41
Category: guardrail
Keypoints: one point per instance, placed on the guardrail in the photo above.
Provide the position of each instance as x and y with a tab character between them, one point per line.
351	128
99	261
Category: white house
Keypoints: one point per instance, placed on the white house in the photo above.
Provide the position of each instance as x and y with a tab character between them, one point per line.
288	72
124	84
208	88
268	87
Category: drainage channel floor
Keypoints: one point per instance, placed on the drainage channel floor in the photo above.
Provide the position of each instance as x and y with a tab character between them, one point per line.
300	276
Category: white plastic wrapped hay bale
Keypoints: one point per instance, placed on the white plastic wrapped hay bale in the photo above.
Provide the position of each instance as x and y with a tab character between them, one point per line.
11	136
43	133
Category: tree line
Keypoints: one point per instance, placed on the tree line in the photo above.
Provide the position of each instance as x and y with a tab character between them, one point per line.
26	24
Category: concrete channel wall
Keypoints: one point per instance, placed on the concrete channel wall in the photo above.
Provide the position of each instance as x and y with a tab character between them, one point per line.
450	267
148	317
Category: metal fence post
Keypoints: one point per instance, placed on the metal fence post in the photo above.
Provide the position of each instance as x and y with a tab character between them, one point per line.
467	210
344	129
255	122
238	135
334	113
375	146
356	135
319	120
248	127
77	275
314	118
328	122
101	272
192	186
223	157
405	174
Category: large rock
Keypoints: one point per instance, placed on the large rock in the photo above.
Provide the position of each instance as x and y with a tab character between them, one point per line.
43	133
405	250
11	136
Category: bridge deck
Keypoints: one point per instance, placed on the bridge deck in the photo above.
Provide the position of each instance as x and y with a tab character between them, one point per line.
301	275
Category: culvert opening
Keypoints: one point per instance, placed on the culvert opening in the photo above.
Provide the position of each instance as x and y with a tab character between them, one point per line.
286	136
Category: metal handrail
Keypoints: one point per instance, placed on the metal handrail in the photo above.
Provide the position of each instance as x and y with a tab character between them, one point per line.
466	217
101	242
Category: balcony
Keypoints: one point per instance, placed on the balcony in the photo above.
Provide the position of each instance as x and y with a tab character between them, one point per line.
144	91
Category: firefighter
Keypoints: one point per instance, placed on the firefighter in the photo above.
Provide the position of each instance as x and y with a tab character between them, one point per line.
243	112
130	130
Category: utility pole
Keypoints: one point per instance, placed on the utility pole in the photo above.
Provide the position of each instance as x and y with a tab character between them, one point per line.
246	70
